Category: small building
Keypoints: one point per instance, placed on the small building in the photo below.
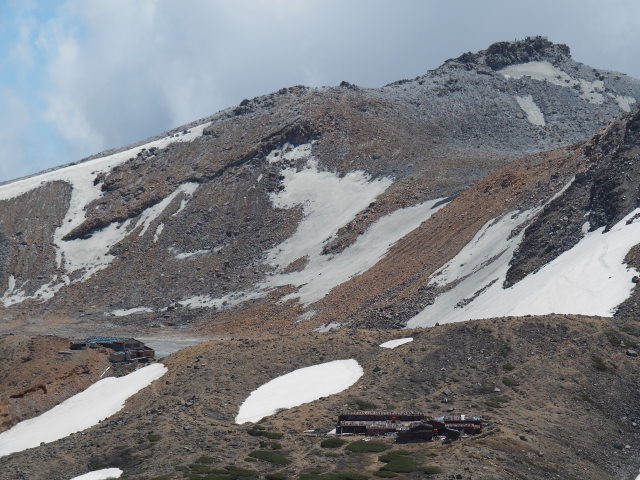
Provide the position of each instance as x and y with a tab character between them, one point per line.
124	349
407	426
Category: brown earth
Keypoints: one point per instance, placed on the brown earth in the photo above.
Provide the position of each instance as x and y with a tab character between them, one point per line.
35	376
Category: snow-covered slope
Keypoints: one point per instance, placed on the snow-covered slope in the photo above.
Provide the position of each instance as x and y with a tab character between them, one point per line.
83	410
273	212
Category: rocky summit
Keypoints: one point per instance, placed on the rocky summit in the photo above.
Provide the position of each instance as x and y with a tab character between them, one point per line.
497	193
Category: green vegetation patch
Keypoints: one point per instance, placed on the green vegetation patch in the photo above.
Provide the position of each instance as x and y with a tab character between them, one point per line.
260	431
204	460
398	461
153	437
238	472
598	363
202	470
365	404
584	397
332	443
486	389
273	458
385	474
276	476
497	401
271	445
510	382
431	470
507	367
630	330
332	476
360	446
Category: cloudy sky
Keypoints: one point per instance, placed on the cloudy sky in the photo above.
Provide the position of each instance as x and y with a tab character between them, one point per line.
81	76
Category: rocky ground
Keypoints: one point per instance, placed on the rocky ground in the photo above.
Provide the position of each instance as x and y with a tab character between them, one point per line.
558	394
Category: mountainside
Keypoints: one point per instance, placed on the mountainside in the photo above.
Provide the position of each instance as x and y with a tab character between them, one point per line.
558	395
489	208
311	196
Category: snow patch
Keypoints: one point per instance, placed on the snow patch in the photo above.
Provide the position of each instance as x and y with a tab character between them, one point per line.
534	114
156	235
104	474
328	202
88	255
298	387
327	326
85	409
489	244
624	102
396	343
130	311
544	71
182	256
289	152
308	315
153	212
591	278
324	272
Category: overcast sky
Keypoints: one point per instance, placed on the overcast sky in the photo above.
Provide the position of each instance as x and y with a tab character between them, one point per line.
81	76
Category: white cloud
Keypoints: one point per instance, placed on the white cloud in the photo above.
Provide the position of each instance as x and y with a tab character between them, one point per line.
115	72
14	121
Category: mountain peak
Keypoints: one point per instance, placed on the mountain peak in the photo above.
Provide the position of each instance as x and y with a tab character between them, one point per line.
503	54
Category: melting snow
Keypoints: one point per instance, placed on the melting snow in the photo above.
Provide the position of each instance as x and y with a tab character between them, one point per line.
150	214
130	311
104	474
544	71
308	315
396	343
290	153
87	255
329	202
85	409
300	386
182	256
159	229
327	326
324	272
591	278
624	102
534	114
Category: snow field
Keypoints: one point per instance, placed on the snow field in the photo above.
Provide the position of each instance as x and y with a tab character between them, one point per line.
89	255
185	255
322	273
104	474
85	409
130	311
327	327
328	202
591	91
534	114
298	387
544	71
624	102
590	279
391	344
